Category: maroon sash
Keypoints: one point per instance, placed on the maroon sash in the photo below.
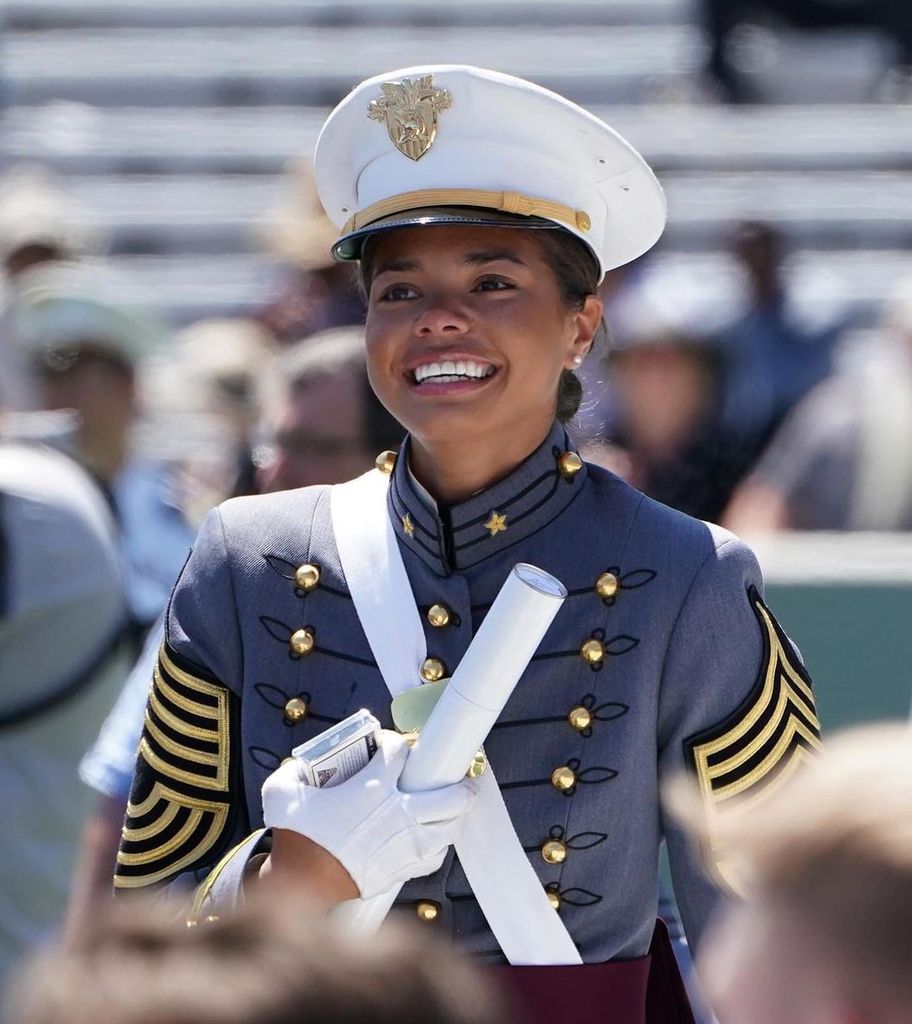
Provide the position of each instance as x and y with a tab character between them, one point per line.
648	990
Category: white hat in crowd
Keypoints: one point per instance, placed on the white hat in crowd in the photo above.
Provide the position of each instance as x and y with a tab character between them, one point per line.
456	144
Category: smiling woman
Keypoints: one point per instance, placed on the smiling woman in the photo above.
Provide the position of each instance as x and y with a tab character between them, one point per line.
448	297
484	217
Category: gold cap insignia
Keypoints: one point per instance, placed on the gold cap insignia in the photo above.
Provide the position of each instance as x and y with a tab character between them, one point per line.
410	111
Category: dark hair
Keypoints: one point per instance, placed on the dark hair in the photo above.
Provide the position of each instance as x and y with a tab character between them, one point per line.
577	275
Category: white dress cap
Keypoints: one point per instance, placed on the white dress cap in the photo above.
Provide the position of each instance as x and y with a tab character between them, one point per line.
452	143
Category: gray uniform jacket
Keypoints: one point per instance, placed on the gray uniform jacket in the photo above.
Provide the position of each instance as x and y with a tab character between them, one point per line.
663	657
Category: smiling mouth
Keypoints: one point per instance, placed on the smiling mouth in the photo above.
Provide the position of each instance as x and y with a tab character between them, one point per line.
452	372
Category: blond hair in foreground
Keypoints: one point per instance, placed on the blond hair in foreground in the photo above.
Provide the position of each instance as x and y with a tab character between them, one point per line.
826	864
272	962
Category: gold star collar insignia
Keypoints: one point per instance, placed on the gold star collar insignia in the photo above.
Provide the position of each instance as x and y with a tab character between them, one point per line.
496	524
408	526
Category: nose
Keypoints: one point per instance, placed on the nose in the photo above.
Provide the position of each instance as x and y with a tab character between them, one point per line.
441	317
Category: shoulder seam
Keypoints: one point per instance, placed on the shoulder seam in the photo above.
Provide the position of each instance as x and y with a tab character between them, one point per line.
674	626
230	570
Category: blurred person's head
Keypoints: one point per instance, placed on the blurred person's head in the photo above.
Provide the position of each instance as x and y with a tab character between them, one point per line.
320	292
39	223
320	422
664	367
84	354
269	963
666	386
222	358
760	249
825	935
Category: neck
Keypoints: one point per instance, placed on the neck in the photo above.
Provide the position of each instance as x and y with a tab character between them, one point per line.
452	470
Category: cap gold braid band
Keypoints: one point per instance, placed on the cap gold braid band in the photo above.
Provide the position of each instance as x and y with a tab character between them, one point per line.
505	202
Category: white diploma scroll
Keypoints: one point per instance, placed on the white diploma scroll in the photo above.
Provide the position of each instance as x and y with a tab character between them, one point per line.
472	701
487	674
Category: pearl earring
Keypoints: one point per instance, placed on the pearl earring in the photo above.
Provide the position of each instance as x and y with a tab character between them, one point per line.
577	360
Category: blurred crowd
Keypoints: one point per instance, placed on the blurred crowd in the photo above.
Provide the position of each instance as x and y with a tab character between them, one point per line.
117	435
118	432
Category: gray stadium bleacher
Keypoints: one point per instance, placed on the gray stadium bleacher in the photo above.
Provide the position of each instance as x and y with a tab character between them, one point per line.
171	125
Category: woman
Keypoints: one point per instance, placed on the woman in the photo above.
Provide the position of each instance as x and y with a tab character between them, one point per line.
480	305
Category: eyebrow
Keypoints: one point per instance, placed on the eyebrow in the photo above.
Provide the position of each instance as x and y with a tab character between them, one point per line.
472	259
396	266
476	258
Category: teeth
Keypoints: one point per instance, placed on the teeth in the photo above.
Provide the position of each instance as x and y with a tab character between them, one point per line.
449	371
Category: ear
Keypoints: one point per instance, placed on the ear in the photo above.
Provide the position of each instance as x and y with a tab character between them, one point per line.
585	324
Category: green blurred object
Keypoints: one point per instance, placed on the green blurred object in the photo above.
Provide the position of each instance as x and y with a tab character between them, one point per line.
856	640
846	601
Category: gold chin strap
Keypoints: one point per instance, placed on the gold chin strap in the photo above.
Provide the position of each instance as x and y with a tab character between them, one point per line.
505	202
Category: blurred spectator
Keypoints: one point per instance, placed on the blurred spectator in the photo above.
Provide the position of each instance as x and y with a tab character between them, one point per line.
723	17
272	962
320	420
776	352
825	933
200	398
319	423
841	460
319	293
665	433
62	656
39	225
85	354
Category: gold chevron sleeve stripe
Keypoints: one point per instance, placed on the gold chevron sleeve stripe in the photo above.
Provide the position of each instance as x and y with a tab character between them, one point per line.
174	842
179	809
779	754
178	749
793	690
165	768
169	718
203	709
136	835
150	878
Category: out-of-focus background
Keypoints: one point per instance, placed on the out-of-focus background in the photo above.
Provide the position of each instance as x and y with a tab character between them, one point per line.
167	294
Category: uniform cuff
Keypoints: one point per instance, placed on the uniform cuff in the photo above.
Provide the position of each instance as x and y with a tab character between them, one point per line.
223	889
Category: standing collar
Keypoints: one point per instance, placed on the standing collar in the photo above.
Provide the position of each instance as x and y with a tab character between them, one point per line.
462	535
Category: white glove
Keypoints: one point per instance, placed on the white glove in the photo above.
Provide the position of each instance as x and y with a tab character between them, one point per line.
381	836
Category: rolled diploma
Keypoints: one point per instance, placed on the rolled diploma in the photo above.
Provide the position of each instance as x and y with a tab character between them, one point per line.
473	700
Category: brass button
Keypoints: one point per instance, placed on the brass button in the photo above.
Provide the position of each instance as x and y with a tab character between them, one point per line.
554	899
554	851
295	710
607	585
302	641
580	718
432	669
478	766
563	778
592	651
427	911
569	464
307	577
385	462
583	220
438	615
